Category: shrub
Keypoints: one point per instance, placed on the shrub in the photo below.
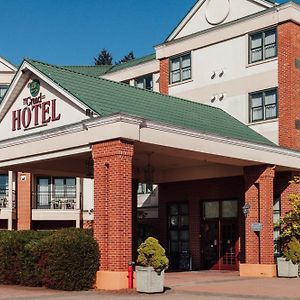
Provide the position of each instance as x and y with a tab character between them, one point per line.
66	259
69	260
292	251
13	255
152	254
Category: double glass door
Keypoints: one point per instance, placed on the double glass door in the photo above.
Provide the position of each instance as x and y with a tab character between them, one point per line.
219	235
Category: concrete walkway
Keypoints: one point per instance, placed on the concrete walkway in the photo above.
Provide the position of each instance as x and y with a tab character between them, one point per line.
210	285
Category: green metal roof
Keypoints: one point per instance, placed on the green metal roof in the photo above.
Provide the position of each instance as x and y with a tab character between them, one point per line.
133	62
107	97
95	71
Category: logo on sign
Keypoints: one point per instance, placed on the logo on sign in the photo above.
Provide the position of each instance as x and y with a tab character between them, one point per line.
37	110
34	87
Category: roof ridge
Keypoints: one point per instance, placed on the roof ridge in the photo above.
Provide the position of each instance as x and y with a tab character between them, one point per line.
85	66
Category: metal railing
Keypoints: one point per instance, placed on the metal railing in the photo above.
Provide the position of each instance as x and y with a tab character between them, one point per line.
47	200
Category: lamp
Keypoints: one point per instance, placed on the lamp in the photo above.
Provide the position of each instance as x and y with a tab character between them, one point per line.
149	171
246	209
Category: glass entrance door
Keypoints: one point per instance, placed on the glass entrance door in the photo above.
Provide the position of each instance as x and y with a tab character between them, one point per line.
219	235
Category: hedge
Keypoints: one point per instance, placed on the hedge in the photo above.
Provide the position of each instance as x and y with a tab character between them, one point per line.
66	259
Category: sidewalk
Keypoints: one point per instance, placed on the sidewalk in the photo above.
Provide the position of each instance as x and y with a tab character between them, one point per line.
204	285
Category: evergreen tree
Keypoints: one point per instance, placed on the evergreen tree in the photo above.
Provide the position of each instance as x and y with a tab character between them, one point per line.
104	58
126	58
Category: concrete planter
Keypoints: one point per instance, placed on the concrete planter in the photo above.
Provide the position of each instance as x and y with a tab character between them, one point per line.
286	268
149	281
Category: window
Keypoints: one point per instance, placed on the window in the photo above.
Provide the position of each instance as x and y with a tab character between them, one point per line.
179	237
145	82
263	105
276	218
262	45
145	188
180	68
3	89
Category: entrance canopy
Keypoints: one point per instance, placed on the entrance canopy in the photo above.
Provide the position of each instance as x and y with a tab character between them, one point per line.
50	113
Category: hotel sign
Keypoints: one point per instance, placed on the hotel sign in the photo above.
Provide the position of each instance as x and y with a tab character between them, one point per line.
37	110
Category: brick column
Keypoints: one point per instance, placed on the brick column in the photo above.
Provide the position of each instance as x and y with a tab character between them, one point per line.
164	76
194	212
113	211
288	85
24	201
259	247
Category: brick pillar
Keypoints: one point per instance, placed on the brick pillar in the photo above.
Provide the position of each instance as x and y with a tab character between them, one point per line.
113	211
24	201
164	76
259	247
288	85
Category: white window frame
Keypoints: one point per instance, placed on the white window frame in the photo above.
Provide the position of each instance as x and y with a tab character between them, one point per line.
263	46
180	69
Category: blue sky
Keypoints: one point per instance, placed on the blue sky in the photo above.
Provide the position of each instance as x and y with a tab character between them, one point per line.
72	32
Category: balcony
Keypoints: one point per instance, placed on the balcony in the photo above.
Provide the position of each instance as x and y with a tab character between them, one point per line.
54	201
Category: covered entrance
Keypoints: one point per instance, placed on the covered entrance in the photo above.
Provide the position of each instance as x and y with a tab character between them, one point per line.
219	232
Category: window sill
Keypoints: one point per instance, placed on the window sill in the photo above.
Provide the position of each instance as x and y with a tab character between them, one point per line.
261	62
180	83
263	122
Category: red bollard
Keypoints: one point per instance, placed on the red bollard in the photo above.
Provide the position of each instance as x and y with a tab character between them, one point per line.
130	274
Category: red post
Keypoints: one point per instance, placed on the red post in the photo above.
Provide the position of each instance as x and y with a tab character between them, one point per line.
130	275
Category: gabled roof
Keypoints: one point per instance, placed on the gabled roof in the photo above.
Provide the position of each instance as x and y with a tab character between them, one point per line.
107	97
195	7
8	63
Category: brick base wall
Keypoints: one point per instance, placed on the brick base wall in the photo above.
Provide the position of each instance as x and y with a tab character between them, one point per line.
195	192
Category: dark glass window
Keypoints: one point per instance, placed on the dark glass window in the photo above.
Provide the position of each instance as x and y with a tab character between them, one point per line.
180	68
145	82
263	105
262	45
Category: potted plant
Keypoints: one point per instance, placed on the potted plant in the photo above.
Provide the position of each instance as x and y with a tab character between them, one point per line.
151	264
290	236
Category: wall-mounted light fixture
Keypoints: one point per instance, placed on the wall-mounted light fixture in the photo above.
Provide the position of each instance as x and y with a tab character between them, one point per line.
221	97
221	73
213	98
246	209
213	75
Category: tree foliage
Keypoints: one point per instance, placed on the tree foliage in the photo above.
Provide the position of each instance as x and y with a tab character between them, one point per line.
126	58
103	58
290	222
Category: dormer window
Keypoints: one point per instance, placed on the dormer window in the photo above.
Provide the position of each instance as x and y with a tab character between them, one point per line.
180	68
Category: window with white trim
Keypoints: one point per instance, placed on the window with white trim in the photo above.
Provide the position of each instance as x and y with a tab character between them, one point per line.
144	82
180	68
262	45
3	89
263	105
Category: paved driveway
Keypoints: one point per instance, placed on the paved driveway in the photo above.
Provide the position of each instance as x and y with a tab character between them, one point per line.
210	285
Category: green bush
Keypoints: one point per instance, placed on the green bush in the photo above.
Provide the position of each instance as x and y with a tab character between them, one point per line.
69	260
292	251
66	259
152	254
13	254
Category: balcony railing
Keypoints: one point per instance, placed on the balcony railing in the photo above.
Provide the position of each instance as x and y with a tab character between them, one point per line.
4	198
45	200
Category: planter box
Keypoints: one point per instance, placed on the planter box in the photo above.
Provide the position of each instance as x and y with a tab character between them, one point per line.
149	281
286	268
